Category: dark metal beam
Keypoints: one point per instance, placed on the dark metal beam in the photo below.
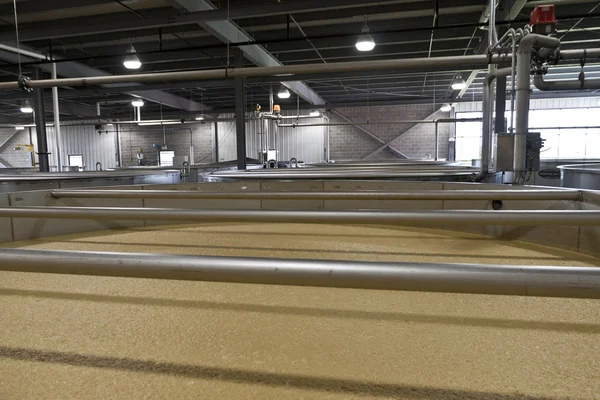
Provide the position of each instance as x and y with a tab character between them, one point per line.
194	17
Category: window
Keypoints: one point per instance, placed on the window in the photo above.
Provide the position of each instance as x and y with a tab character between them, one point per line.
568	133
165	158
76	160
468	138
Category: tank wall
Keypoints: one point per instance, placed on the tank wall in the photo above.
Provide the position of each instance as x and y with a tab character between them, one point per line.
580	239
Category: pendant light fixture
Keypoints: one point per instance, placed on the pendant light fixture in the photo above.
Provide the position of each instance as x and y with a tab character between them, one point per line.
132	61
459	83
365	41
446	107
284	93
26	107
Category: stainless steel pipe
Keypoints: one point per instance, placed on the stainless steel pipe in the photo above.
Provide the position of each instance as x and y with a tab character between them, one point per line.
579	54
585	84
420	218
420	64
407	195
573	282
528	43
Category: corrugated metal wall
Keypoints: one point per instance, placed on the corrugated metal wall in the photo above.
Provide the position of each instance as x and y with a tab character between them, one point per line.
306	144
83	140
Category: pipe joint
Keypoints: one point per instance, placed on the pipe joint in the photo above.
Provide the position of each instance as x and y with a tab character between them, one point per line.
23	82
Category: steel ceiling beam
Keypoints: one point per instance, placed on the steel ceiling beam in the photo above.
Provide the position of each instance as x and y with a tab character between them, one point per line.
75	69
202	11
67	107
228	32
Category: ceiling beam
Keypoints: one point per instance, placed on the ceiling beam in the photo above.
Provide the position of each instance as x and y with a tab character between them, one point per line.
201	12
229	32
71	108
75	69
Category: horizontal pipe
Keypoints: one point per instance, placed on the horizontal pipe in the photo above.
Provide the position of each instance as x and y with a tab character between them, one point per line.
418	121
579	54
420	218
428	195
573	282
586	84
335	173
421	64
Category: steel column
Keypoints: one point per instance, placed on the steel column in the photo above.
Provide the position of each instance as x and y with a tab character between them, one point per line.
572	282
40	125
216	143
240	112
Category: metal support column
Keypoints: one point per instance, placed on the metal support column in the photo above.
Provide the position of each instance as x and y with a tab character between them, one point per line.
240	112
500	123
216	143
56	110
40	125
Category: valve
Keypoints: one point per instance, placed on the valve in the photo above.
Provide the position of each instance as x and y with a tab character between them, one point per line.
543	20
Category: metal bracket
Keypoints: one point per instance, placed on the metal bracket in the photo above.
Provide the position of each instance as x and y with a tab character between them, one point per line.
23	83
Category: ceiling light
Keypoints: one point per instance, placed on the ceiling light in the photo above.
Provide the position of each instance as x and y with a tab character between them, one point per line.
159	122
284	93
26	108
131	60
200	118
459	84
19	128
137	103
446	107
365	41
315	113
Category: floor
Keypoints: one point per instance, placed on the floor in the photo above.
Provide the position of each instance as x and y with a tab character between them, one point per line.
70	337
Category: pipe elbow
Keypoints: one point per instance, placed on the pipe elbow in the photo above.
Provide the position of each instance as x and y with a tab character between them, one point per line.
540	83
533	40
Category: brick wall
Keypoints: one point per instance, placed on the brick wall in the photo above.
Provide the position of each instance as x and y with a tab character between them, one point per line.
416	140
178	139
8	156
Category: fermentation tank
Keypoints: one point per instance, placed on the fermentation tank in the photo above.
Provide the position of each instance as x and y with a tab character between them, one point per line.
175	338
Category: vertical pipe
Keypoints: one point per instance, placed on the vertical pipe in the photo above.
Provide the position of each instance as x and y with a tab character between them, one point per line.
216	143
437	133
56	110
492	33
524	93
500	123
327	133
486	132
40	125
240	112
118	146
32	155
